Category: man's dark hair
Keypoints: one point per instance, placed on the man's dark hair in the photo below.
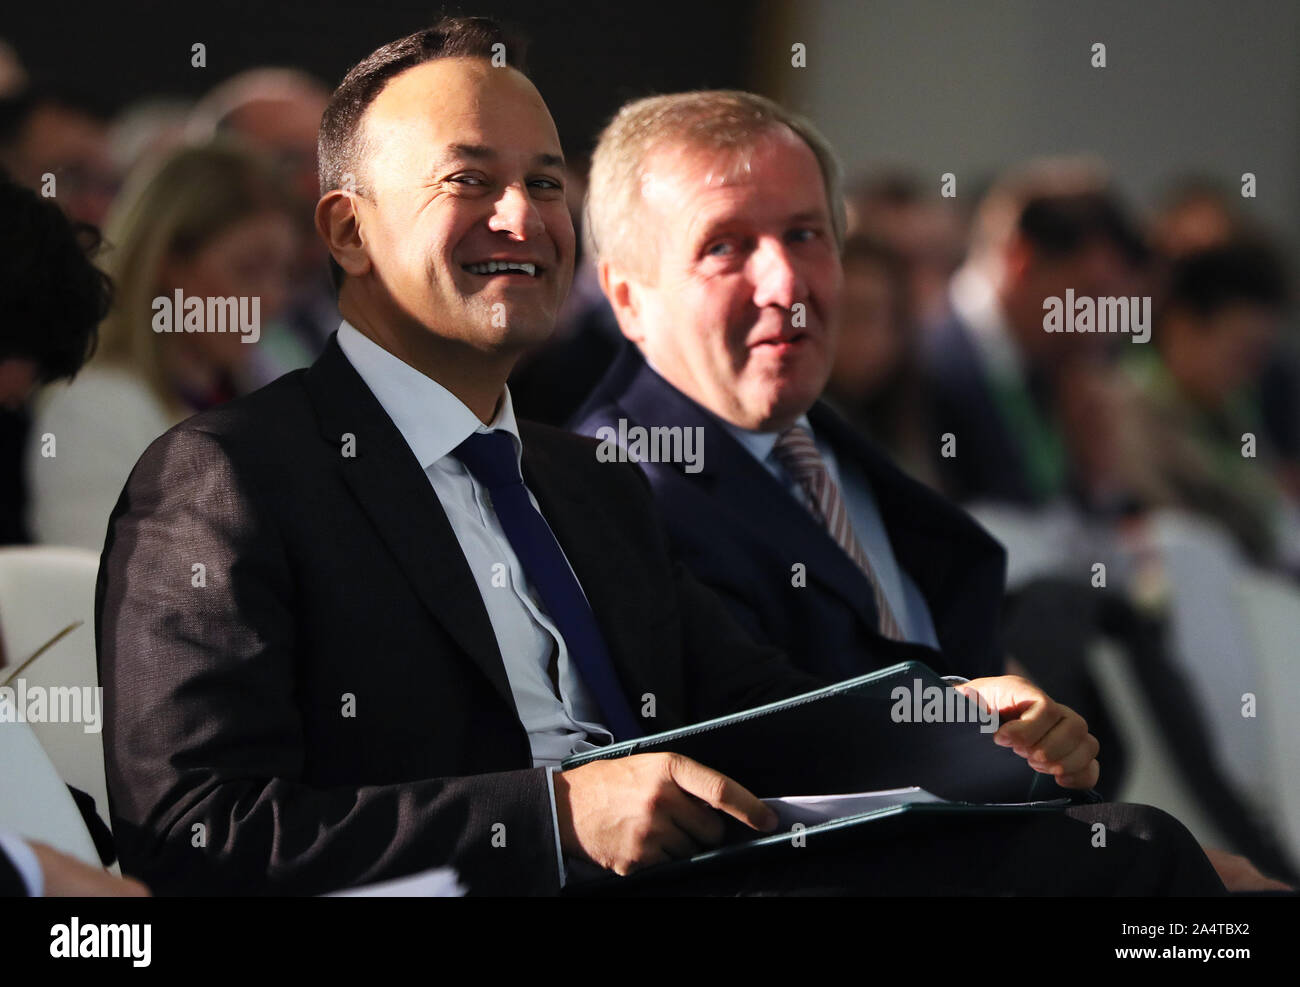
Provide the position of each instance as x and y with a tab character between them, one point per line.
340	148
1059	226
52	297
1207	281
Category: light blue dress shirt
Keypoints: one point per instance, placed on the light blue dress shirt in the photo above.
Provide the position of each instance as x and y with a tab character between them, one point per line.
433	421
904	599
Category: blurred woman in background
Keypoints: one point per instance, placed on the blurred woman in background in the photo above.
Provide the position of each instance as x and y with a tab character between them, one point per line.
209	222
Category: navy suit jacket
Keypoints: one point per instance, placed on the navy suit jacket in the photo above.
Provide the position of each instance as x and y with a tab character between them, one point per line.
742	533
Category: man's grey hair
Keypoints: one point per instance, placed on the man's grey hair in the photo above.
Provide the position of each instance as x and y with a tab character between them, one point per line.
721	120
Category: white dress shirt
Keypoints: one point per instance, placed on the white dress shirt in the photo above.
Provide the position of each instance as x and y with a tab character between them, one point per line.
434	422
974	299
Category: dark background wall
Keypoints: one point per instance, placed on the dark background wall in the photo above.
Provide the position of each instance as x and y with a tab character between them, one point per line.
587	56
1201	86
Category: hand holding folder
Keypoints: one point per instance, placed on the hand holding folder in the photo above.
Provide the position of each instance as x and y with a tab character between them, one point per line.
898	743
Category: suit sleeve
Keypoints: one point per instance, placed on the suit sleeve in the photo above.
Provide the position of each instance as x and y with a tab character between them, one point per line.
727	671
204	742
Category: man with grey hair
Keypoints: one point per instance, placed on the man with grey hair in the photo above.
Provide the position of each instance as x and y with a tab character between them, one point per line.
716	220
1023	403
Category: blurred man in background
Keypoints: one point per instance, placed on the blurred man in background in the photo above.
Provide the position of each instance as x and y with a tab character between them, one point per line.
1004	386
42	134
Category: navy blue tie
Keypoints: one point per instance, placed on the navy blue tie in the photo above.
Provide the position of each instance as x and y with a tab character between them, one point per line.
491	458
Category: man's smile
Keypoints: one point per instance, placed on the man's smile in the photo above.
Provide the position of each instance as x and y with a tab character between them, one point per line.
505	268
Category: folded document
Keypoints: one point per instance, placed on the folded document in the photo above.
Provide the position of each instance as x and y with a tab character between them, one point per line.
813	810
873	753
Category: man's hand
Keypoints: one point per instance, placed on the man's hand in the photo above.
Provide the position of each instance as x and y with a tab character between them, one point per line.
1054	739
632	812
68	877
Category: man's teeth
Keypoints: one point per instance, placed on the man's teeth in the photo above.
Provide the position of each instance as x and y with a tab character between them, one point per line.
497	266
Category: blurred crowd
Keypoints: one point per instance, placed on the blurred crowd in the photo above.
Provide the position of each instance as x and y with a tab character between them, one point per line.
942	324
944	334
211	200
1073	448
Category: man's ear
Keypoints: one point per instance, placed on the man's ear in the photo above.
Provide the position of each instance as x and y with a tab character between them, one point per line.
339	226
621	291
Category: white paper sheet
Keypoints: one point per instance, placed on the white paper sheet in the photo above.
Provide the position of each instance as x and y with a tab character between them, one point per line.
813	809
440	882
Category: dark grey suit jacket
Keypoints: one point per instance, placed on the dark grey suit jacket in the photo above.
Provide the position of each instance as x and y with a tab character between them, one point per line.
255	581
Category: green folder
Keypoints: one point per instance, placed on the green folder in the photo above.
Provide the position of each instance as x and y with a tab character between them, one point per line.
897	728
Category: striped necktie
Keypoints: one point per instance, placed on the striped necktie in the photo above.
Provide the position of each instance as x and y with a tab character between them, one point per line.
798	455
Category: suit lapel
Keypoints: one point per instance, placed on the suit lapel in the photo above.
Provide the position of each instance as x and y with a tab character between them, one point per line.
395	494
958	567
753	496
916	522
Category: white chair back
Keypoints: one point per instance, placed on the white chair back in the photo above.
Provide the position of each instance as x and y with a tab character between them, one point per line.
42	591
1272	614
1211	642
1153	776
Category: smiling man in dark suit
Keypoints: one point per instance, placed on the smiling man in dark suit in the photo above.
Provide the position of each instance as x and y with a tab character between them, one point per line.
338	641
716	221
349	625
813	537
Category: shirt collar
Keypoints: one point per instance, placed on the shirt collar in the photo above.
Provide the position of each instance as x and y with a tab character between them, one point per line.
975	301
432	420
758	444
761	444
